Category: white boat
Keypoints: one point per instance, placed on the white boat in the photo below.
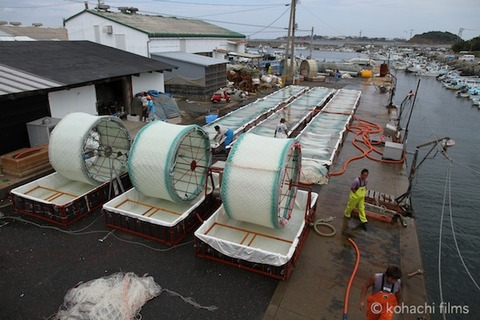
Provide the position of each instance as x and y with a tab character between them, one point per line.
476	101
363	61
399	65
298	47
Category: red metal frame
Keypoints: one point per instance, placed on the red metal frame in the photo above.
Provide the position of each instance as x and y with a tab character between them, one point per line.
170	235
203	250
67	214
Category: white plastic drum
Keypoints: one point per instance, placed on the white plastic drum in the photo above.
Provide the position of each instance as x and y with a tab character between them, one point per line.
170	161
88	148
260	179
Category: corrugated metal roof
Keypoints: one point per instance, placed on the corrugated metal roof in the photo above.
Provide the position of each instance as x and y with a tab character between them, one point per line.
37	33
14	81
73	62
16	38
162	27
189	58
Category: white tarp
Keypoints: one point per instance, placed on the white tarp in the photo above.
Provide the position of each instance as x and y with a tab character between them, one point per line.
239	119
254	243
53	188
154	210
322	137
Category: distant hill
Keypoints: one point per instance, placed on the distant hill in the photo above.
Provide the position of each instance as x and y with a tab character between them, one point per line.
435	37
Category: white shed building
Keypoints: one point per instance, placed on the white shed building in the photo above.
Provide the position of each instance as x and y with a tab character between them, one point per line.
145	34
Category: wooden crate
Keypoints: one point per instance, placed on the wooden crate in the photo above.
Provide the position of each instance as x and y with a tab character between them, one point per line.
26	161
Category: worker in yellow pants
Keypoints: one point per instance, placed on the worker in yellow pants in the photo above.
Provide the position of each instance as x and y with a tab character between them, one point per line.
356	199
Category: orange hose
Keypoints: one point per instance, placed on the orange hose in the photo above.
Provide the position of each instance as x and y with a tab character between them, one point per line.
354	272
364	128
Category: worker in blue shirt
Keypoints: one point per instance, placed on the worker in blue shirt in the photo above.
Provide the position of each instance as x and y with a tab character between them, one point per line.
222	139
151	109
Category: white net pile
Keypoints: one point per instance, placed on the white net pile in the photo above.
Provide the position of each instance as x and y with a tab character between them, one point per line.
294	113
169	161
239	118
321	139
259	180
88	148
116	297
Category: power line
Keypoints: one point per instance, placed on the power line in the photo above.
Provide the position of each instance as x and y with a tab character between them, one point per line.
219	4
270	23
231	12
207	20
193	3
35	7
316	17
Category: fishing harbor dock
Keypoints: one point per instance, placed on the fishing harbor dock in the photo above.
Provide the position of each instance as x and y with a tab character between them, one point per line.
40	263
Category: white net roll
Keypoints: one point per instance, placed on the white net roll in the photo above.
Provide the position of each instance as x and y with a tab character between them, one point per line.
170	161
260	178
88	148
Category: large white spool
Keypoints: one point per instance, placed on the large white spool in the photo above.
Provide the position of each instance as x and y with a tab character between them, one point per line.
260	178
88	148
308	68
170	161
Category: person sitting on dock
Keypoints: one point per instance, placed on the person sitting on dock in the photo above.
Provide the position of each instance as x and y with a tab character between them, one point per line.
144	100
385	294
151	110
281	130
356	199
222	139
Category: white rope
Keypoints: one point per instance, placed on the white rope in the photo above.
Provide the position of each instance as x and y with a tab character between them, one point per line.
79	233
4	205
324	222
463	165
190	300
451	216
440	244
453	233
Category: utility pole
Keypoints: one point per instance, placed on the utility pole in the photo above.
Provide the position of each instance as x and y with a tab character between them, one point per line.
289	68
311	44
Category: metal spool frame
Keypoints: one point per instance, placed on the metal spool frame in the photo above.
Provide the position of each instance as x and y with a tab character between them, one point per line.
260	180
89	148
170	161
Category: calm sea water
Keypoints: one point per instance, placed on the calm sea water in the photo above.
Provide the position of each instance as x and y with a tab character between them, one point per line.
331	56
438	113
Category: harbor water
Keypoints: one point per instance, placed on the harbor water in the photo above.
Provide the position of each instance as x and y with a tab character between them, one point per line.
445	191
450	258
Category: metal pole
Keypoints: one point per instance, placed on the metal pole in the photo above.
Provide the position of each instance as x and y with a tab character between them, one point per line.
392	93
414	168
287	75
292	59
410	115
311	44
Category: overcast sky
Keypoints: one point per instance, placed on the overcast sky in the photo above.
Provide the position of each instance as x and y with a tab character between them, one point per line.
265	19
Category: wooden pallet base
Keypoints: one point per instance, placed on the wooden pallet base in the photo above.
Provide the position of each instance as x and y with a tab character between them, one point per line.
382	199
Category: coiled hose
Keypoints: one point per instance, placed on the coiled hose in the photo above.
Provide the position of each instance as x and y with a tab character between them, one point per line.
323	222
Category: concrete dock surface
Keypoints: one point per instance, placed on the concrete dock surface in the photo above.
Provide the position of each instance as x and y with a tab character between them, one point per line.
317	288
40	264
